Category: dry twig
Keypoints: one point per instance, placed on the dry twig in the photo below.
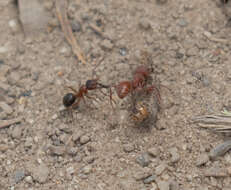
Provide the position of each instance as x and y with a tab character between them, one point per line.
61	6
7	123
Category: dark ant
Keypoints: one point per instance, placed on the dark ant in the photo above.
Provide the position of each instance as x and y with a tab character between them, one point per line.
73	99
138	83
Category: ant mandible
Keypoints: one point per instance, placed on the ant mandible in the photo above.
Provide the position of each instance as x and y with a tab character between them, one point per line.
73	99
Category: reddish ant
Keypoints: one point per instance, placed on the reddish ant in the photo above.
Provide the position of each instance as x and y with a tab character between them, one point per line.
73	99
139	81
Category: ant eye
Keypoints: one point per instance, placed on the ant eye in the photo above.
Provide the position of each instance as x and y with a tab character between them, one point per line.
68	99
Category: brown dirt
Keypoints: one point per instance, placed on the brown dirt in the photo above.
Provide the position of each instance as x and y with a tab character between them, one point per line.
192	64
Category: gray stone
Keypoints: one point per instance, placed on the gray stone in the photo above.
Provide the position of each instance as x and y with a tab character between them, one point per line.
72	151
76	26
144	23
33	17
84	139
220	149
18	176
128	147
6	108
182	22
161	1
28	142
175	156
142	174
87	169
40	173
174	185
216	172
150	179
14	25
65	51
107	44
16	133
76	136
163	185
154	151
29	179
160	169
202	159
70	170
89	159
143	159
4	147
57	150
48	5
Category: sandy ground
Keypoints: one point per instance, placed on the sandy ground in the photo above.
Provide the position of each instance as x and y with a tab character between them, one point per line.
189	45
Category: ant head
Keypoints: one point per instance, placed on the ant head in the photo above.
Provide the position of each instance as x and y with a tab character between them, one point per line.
69	99
91	84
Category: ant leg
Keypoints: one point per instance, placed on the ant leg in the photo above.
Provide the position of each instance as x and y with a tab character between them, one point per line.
156	90
75	91
111	99
90	97
110	96
75	104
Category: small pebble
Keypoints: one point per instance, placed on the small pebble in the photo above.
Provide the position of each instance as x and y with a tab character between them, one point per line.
144	23
182	22
143	159
161	1
3	148
202	159
26	93
89	159
163	185
1	62
6	108
65	51
40	173
160	169
72	151
128	147
107	45
154	151
14	25
29	142
87	169
216	172
175	156
76	26
70	170
173	185
18	176
16	132
150	179
3	50
76	136
29	179
57	150
220	150
84	139
142	174
48	5
123	51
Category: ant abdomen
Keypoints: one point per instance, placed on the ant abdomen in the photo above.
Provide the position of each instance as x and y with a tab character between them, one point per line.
69	99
